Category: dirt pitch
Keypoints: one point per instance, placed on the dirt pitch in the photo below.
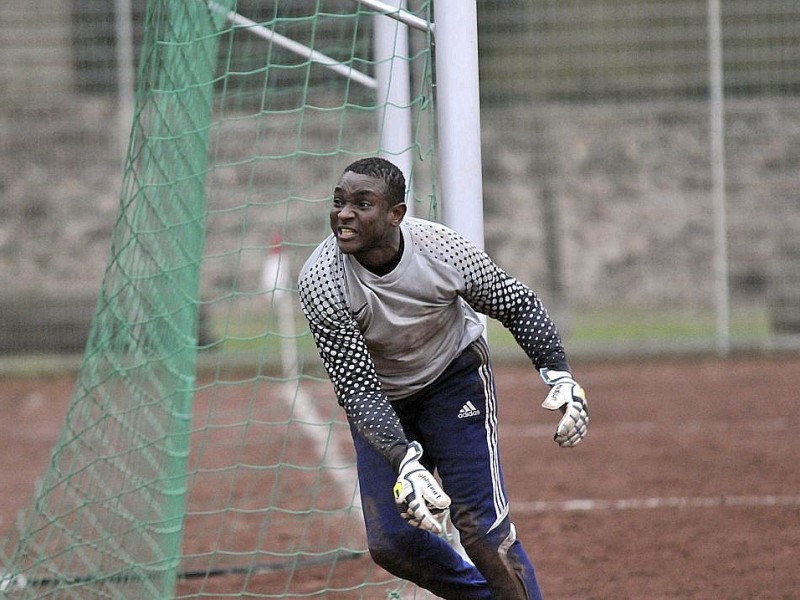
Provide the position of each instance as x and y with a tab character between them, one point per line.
687	487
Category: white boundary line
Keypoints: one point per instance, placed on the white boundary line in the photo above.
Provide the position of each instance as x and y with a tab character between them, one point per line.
585	505
319	430
325	439
646	428
650	427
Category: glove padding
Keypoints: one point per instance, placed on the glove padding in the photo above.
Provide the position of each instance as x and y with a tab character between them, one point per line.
418	495
567	395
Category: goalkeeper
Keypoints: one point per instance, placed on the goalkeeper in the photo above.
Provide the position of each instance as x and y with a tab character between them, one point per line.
392	304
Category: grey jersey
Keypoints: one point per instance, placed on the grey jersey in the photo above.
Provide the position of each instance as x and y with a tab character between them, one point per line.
386	337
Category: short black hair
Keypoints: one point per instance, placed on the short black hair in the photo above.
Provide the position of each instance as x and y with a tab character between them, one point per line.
381	168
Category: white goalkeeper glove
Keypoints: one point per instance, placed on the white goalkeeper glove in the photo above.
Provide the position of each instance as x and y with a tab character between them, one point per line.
418	495
566	395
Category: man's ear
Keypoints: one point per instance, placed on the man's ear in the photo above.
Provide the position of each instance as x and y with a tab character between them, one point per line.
398	213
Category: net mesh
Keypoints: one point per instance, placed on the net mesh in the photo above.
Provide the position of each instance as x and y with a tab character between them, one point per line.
203	452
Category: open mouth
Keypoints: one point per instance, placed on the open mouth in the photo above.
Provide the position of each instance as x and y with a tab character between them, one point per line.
345	233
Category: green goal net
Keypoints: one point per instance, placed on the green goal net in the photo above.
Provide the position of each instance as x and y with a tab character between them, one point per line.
203	453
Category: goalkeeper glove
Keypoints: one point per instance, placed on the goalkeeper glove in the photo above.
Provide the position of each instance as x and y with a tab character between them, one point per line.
566	395
417	494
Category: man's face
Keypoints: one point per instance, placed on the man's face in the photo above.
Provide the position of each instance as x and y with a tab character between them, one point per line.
363	222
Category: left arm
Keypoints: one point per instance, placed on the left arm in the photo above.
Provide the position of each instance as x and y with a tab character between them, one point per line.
491	291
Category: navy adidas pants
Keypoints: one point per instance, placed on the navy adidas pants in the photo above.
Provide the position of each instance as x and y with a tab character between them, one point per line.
455	420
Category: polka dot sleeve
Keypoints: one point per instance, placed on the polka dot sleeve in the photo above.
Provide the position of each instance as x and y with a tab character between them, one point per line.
346	358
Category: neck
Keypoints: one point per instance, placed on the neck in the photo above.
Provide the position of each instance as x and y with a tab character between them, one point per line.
389	265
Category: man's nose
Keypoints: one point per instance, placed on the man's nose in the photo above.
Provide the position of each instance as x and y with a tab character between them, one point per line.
346	211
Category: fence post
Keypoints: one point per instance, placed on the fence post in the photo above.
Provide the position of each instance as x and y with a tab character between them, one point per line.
717	108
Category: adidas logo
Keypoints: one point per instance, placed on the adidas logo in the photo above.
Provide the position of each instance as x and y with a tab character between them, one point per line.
468	410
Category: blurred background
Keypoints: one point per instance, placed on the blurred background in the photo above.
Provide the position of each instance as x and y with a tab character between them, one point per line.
641	167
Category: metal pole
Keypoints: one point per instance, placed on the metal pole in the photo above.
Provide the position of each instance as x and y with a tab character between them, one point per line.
458	117
123	22
391	10
717	109
292	46
394	94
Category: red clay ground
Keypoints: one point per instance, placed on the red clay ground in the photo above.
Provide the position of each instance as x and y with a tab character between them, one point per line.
688	485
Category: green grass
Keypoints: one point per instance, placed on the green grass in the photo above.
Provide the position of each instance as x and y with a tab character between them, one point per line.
611	328
618	326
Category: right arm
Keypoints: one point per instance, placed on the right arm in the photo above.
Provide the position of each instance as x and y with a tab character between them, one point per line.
418	495
347	360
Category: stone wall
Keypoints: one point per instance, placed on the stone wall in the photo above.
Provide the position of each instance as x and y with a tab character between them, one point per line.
36	46
628	188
